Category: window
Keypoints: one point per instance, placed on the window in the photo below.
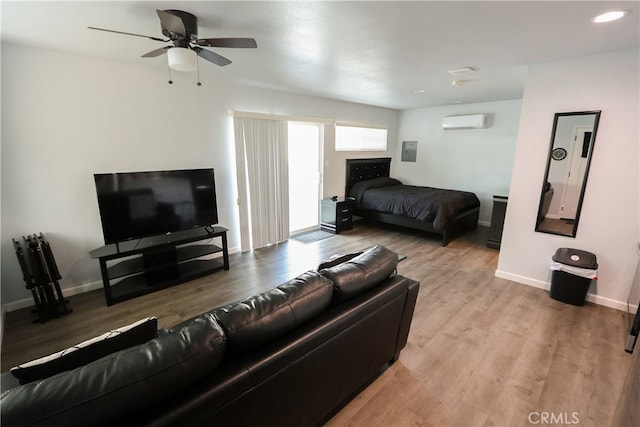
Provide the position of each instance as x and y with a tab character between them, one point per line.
353	138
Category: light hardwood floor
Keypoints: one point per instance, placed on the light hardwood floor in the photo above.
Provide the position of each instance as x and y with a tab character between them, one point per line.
560	226
482	351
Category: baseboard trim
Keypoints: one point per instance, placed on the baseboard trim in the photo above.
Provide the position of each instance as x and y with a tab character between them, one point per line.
596	299
523	280
69	291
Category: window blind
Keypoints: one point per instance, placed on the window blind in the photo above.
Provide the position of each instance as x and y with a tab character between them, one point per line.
354	138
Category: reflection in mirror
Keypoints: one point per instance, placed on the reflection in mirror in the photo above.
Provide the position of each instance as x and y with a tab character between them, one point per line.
572	139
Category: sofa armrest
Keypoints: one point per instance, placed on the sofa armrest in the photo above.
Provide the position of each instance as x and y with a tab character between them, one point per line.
407	316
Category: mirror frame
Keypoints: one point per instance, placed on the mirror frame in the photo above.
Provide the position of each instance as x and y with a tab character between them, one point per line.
556	117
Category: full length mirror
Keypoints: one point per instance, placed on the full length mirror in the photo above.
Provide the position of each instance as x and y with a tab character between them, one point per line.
572	139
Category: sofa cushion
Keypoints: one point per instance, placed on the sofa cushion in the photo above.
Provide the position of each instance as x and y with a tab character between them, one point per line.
87	351
263	317
361	273
337	259
121	384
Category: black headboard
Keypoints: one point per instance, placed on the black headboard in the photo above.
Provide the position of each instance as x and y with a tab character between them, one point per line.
365	169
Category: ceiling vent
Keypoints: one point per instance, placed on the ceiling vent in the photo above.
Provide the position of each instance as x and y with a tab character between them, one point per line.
470	121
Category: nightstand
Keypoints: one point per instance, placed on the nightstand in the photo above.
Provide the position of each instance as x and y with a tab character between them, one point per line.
336	215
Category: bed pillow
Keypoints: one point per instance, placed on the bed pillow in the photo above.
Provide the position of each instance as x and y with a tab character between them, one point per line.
359	188
87	351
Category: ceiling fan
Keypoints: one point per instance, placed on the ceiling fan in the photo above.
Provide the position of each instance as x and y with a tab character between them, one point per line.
181	29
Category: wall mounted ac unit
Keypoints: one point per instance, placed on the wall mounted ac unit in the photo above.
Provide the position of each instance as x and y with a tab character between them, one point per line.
470	121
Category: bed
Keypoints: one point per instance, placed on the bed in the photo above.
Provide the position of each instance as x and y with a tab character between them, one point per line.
378	197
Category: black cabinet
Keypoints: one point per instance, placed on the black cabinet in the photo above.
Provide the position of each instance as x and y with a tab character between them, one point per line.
497	221
336	215
137	267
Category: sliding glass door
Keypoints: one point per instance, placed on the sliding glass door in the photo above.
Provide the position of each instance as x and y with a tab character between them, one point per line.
305	178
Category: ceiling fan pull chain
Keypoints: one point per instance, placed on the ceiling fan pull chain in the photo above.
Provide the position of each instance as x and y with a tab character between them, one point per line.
198	70
170	79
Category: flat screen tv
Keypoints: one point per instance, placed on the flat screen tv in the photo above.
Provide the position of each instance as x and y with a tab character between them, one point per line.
134	205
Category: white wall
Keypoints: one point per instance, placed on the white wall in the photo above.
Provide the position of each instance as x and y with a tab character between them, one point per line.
65	118
608	224
476	160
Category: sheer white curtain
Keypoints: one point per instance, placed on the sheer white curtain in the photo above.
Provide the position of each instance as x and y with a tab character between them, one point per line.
263	181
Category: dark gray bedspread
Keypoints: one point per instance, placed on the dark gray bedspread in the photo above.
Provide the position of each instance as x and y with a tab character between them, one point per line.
422	203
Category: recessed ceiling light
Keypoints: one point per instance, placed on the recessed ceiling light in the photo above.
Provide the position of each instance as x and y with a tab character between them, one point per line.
420	91
610	16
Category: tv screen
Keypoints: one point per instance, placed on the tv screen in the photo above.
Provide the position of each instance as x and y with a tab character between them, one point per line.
140	204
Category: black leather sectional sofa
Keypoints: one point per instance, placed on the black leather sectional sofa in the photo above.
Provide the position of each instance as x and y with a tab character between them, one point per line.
291	356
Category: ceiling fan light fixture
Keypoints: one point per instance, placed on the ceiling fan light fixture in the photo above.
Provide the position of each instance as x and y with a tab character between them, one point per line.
182	59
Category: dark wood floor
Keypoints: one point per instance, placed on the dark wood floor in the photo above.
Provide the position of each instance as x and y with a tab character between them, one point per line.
482	351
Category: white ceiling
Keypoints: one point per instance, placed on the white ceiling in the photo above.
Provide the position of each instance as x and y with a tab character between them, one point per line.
370	52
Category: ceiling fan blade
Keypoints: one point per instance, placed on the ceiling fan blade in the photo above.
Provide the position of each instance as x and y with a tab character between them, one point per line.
156	52
211	56
171	24
237	42
128	34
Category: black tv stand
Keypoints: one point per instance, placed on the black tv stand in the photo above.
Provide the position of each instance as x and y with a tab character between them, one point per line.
137	267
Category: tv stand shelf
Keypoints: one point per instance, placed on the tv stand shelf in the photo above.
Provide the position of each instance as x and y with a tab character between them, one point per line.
133	268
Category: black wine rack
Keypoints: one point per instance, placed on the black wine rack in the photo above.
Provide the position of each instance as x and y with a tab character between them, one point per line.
41	275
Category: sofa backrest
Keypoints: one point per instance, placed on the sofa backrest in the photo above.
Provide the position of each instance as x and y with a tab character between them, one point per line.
300	378
120	384
263	317
361	273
